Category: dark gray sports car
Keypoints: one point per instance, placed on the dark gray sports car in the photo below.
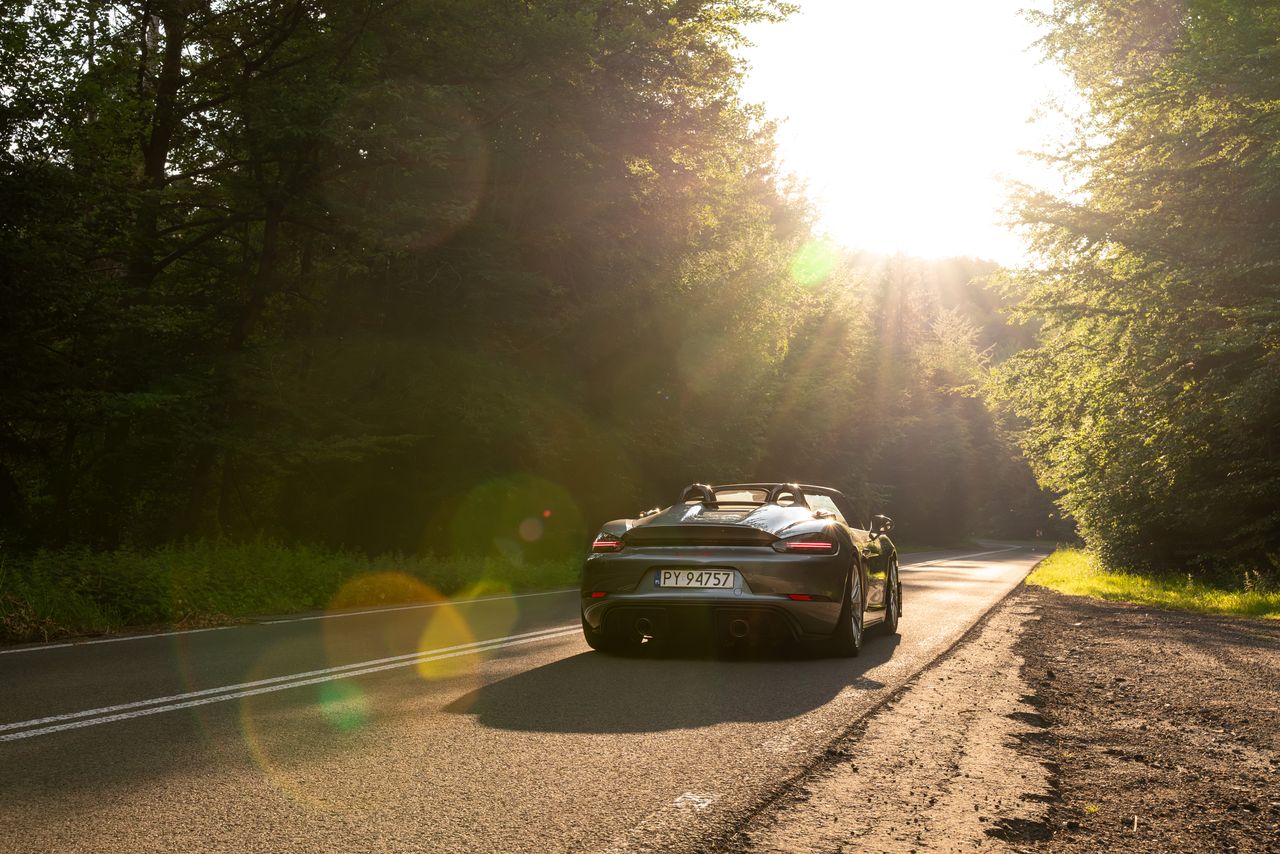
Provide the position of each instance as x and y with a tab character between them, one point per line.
743	563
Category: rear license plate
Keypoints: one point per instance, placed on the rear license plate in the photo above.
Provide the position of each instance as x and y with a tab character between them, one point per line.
705	579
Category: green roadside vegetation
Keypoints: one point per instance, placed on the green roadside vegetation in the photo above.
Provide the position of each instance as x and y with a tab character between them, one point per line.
1080	573
1149	399
77	591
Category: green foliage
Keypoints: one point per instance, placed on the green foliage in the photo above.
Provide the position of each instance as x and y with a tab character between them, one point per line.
262	254
907	412
77	590
457	277
1081	573
1151	400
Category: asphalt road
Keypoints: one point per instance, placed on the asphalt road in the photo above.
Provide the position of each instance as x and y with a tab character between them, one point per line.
476	726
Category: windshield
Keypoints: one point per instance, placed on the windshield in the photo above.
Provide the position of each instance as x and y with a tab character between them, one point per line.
825	503
741	496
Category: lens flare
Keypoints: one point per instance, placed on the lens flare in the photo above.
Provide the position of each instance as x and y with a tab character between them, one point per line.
517	518
282	738
446	627
531	530
815	262
344	705
284	731
347	641
381	588
497	617
500	613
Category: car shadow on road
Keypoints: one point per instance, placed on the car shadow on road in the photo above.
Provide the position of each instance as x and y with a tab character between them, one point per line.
597	693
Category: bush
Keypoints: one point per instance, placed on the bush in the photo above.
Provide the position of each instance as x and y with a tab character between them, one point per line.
78	590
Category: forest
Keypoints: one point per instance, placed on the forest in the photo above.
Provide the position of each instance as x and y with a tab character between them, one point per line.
469	277
1151	401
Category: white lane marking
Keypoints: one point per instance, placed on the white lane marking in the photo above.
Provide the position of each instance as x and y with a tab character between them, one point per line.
414	607
269	681
695	801
124	711
111	640
959	557
42	647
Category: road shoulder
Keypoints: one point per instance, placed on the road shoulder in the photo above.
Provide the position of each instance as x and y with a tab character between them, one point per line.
1164	726
1060	723
936	769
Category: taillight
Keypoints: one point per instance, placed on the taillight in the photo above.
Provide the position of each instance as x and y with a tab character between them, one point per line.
606	543
806	545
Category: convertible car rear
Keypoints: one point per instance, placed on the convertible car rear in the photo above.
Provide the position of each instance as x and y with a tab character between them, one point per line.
742	563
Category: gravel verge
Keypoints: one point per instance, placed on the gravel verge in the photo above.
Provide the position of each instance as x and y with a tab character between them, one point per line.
1163	727
1060	724
936	769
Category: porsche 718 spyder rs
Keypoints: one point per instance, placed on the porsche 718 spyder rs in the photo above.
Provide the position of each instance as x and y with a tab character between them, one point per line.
745	563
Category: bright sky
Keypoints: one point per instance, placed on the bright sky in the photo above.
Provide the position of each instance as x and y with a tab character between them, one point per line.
902	118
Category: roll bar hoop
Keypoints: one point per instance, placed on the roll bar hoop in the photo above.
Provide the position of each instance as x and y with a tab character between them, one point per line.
792	489
699	491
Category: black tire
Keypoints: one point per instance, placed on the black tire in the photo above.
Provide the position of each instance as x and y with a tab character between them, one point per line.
892	607
846	642
597	640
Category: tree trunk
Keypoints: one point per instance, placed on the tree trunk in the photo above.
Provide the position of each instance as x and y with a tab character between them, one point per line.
165	118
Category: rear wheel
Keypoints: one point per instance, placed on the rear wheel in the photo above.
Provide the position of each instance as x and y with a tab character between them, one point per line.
847	640
893	601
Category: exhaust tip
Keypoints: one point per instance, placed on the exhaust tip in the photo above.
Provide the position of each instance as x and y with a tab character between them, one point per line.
644	627
739	628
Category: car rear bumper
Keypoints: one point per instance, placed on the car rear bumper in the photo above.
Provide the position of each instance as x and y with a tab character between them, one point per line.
631	622
753	619
761	595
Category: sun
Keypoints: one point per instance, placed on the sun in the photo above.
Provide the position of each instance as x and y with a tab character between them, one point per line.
905	121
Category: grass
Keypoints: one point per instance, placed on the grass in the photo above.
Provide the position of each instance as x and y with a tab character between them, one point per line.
1081	574
55	593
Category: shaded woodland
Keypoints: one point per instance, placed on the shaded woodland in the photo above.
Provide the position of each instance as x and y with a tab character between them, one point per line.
470	276
406	275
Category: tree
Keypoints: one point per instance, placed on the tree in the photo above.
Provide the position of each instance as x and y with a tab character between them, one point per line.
1151	398
337	272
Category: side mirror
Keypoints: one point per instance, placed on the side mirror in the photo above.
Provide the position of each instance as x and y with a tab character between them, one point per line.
881	525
